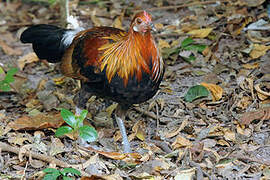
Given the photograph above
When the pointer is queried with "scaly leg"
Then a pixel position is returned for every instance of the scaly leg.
(120, 115)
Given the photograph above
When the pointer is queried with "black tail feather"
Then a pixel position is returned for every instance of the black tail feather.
(46, 41)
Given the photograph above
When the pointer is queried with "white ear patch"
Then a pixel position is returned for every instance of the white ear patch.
(135, 28)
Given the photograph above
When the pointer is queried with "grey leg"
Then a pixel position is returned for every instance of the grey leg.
(120, 115)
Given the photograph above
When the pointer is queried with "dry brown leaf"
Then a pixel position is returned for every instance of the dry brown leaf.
(107, 177)
(159, 26)
(27, 59)
(181, 142)
(17, 138)
(222, 142)
(187, 174)
(59, 80)
(252, 65)
(244, 102)
(229, 135)
(263, 95)
(216, 90)
(117, 23)
(40, 121)
(200, 33)
(138, 130)
(261, 114)
(127, 157)
(252, 3)
(163, 44)
(176, 132)
(8, 50)
(258, 50)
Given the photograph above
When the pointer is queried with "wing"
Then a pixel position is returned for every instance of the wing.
(81, 59)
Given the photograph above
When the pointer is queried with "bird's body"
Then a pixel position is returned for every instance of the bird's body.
(125, 67)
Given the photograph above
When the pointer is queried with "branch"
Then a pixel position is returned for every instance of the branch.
(46, 158)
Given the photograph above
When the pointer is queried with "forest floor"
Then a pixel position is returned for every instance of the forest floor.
(218, 129)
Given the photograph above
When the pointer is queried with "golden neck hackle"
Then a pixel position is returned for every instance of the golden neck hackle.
(128, 54)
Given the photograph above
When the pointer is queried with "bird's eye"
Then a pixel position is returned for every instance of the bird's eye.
(139, 20)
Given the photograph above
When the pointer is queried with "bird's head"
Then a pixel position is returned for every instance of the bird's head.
(142, 23)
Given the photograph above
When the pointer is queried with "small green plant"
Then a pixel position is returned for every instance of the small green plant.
(186, 45)
(9, 78)
(53, 174)
(189, 45)
(75, 123)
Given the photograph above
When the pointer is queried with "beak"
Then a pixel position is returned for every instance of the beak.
(151, 25)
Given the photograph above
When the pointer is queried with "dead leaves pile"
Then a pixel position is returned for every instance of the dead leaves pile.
(222, 135)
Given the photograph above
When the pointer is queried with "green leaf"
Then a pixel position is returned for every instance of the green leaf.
(81, 118)
(67, 178)
(196, 92)
(186, 42)
(190, 58)
(51, 170)
(63, 130)
(4, 86)
(88, 133)
(196, 47)
(9, 76)
(68, 117)
(51, 176)
(83, 114)
(70, 170)
(2, 70)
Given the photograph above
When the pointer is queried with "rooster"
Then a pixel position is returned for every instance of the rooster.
(125, 67)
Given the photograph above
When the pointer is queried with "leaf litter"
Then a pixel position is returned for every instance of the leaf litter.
(219, 132)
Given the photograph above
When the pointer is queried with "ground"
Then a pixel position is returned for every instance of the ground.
(178, 134)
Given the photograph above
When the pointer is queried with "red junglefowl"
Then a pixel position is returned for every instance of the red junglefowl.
(125, 67)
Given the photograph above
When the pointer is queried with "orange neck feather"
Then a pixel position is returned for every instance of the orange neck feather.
(129, 54)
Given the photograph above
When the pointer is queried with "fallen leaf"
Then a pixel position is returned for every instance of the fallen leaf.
(185, 174)
(159, 26)
(8, 50)
(106, 177)
(17, 138)
(195, 92)
(252, 3)
(181, 142)
(138, 130)
(229, 135)
(176, 132)
(56, 146)
(261, 114)
(27, 59)
(216, 90)
(118, 156)
(40, 121)
(258, 50)
(117, 23)
(163, 44)
(262, 94)
(200, 33)
(252, 65)
(59, 80)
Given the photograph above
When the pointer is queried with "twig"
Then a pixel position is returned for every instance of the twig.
(151, 115)
(169, 35)
(185, 5)
(46, 158)
(247, 158)
(49, 159)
